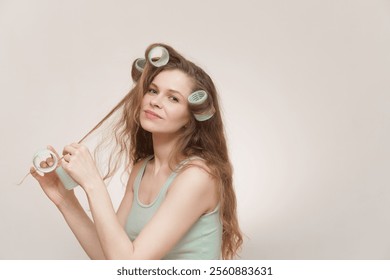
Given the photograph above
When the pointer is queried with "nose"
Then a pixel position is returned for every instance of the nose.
(156, 101)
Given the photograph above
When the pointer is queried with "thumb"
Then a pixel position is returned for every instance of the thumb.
(55, 152)
(35, 174)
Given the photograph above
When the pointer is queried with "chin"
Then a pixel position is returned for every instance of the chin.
(158, 128)
(150, 127)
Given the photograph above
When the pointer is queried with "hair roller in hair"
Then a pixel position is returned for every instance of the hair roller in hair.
(42, 155)
(140, 64)
(198, 99)
(158, 56)
(205, 116)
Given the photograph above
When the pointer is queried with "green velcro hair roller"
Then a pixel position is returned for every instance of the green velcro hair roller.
(204, 117)
(197, 98)
(140, 64)
(158, 56)
(64, 177)
(68, 182)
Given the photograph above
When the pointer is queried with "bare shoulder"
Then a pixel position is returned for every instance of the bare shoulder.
(194, 180)
(197, 170)
(199, 163)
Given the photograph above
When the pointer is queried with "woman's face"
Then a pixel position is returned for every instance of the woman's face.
(164, 107)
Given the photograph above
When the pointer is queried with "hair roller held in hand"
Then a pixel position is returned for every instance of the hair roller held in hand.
(43, 155)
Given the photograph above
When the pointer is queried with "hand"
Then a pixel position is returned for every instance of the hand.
(80, 165)
(50, 183)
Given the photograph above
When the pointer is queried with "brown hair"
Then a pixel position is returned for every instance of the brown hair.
(204, 139)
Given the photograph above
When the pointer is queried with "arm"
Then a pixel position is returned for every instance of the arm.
(75, 216)
(191, 195)
(82, 227)
(65, 200)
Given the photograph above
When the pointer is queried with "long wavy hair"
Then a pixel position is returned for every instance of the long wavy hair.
(205, 139)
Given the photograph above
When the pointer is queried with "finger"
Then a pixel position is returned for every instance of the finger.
(69, 149)
(43, 164)
(80, 147)
(53, 150)
(34, 173)
(64, 164)
(67, 157)
(50, 161)
(76, 145)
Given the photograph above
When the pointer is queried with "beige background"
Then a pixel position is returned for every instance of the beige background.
(305, 92)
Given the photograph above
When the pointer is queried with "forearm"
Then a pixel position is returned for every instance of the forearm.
(82, 227)
(114, 241)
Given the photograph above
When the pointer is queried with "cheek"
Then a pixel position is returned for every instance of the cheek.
(145, 100)
(182, 115)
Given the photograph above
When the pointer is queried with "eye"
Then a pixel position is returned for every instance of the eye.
(152, 91)
(174, 98)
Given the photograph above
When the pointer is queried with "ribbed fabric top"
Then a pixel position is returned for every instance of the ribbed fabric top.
(202, 241)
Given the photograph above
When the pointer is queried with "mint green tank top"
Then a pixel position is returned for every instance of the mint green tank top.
(202, 241)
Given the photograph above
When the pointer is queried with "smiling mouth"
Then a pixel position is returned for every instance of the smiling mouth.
(152, 114)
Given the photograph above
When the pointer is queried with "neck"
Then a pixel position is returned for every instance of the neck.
(163, 144)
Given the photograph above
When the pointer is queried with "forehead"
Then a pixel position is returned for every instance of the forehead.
(174, 80)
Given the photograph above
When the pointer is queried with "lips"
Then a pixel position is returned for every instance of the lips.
(151, 113)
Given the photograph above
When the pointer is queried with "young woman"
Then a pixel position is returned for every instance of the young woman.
(179, 201)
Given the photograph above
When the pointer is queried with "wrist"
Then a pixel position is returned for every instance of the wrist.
(68, 202)
(94, 185)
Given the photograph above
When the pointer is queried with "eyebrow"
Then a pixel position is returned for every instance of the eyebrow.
(169, 90)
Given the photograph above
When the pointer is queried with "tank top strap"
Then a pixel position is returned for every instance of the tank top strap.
(167, 183)
(175, 172)
(184, 162)
(140, 173)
